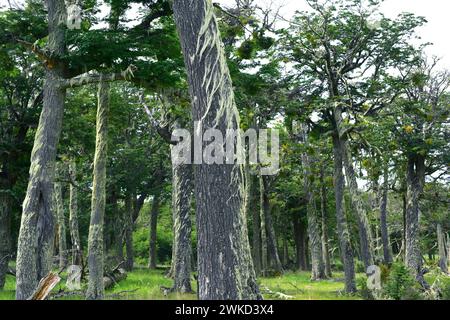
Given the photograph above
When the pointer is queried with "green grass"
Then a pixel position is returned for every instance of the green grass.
(143, 284)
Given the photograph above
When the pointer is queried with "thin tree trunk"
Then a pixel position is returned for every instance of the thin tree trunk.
(285, 258)
(5, 235)
(219, 188)
(300, 243)
(62, 245)
(153, 231)
(128, 214)
(342, 227)
(117, 226)
(415, 176)
(182, 227)
(256, 228)
(315, 245)
(96, 288)
(323, 209)
(77, 255)
(442, 249)
(262, 219)
(383, 219)
(37, 229)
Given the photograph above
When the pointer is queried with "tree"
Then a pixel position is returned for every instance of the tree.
(221, 222)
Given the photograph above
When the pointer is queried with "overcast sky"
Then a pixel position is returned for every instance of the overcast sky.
(437, 12)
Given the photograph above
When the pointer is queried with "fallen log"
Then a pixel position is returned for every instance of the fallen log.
(45, 286)
(110, 279)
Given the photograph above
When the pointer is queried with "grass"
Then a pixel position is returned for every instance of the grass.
(144, 284)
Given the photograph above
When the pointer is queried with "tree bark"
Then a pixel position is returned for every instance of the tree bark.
(262, 219)
(383, 219)
(442, 248)
(96, 287)
(182, 227)
(415, 177)
(62, 245)
(225, 268)
(37, 227)
(342, 227)
(300, 243)
(77, 255)
(256, 226)
(324, 222)
(5, 235)
(129, 224)
(153, 231)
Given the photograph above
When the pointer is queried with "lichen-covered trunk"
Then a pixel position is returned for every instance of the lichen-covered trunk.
(129, 224)
(387, 257)
(225, 267)
(117, 226)
(37, 228)
(5, 234)
(341, 219)
(272, 256)
(96, 288)
(154, 212)
(315, 243)
(415, 177)
(324, 222)
(62, 245)
(256, 230)
(182, 184)
(77, 255)
(300, 243)
(442, 248)
(262, 219)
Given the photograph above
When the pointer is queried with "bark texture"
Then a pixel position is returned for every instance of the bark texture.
(37, 229)
(323, 210)
(96, 288)
(77, 257)
(300, 243)
(128, 215)
(442, 249)
(62, 245)
(342, 227)
(182, 227)
(5, 236)
(153, 231)
(225, 267)
(256, 228)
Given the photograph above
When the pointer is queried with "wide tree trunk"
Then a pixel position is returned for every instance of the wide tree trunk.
(415, 178)
(62, 245)
(182, 184)
(5, 234)
(225, 268)
(129, 225)
(387, 257)
(315, 244)
(324, 222)
(77, 255)
(300, 243)
(442, 248)
(96, 287)
(342, 227)
(154, 212)
(37, 229)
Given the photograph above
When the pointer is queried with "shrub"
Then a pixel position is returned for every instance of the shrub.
(359, 267)
(401, 285)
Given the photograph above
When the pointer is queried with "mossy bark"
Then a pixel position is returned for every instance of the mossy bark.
(324, 222)
(225, 267)
(96, 289)
(182, 185)
(37, 229)
(62, 245)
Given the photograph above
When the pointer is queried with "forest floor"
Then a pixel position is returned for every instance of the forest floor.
(144, 284)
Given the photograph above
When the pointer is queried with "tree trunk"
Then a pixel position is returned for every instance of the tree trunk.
(315, 245)
(415, 177)
(262, 219)
(323, 210)
(37, 229)
(96, 287)
(256, 227)
(442, 249)
(342, 227)
(383, 219)
(5, 235)
(300, 243)
(221, 222)
(62, 245)
(285, 258)
(182, 227)
(77, 255)
(117, 226)
(153, 231)
(128, 214)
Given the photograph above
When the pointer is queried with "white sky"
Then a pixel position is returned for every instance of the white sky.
(437, 13)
